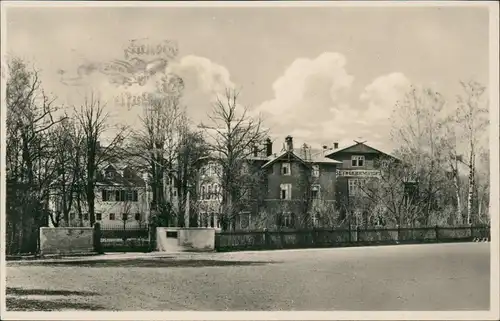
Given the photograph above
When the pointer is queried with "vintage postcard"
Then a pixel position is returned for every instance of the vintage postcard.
(249, 160)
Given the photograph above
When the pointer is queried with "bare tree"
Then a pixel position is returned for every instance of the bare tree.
(192, 147)
(232, 136)
(483, 189)
(419, 131)
(67, 142)
(29, 157)
(158, 141)
(93, 122)
(472, 117)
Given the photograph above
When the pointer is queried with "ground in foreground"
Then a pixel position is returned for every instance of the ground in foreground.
(408, 277)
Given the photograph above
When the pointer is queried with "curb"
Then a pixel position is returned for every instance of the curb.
(17, 258)
(105, 257)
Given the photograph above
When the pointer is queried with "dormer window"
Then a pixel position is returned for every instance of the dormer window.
(285, 169)
(109, 174)
(357, 161)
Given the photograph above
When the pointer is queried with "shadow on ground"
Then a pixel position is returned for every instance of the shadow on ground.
(20, 291)
(21, 304)
(14, 303)
(149, 263)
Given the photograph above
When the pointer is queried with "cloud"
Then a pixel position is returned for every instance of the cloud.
(304, 96)
(313, 103)
(333, 117)
(202, 74)
(382, 93)
(308, 89)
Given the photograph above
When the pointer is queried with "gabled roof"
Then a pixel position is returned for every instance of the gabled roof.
(133, 177)
(282, 155)
(316, 157)
(213, 156)
(358, 148)
(319, 157)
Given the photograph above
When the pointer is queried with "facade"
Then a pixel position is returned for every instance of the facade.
(358, 164)
(297, 187)
(122, 198)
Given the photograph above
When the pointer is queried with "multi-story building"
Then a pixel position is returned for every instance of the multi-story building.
(123, 197)
(297, 187)
(299, 182)
(358, 163)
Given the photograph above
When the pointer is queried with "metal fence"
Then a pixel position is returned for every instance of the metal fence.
(119, 238)
(316, 238)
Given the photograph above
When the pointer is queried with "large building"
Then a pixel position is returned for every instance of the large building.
(293, 188)
(123, 197)
(297, 187)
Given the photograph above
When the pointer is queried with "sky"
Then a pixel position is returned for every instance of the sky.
(321, 75)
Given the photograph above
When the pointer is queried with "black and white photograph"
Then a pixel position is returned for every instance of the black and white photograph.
(249, 160)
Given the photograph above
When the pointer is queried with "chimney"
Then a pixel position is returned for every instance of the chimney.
(335, 145)
(255, 151)
(269, 147)
(325, 148)
(289, 143)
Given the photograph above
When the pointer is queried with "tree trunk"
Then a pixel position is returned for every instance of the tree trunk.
(470, 195)
(91, 201)
(457, 192)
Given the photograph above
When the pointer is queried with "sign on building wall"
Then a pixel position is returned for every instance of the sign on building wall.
(358, 173)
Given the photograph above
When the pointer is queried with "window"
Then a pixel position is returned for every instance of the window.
(245, 220)
(355, 186)
(357, 161)
(286, 191)
(209, 196)
(315, 171)
(86, 216)
(130, 195)
(112, 216)
(124, 216)
(209, 170)
(216, 191)
(202, 192)
(98, 216)
(174, 192)
(245, 169)
(287, 219)
(109, 174)
(285, 169)
(108, 196)
(316, 219)
(315, 192)
(120, 196)
(137, 216)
